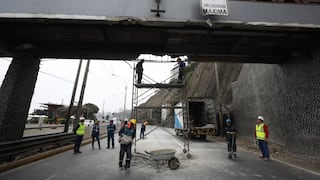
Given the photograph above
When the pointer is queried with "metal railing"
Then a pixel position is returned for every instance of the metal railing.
(12, 150)
(44, 127)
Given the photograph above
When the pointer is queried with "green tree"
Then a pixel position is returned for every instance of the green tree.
(89, 110)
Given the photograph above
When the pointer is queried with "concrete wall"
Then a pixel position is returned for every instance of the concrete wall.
(257, 92)
(288, 96)
(302, 81)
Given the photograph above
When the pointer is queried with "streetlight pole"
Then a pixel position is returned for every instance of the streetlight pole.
(125, 101)
(125, 94)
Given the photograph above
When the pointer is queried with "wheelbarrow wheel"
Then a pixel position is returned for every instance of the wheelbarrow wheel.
(184, 150)
(173, 163)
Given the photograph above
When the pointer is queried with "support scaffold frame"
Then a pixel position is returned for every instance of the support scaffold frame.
(137, 97)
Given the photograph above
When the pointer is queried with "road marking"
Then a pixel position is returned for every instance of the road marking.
(179, 144)
(51, 177)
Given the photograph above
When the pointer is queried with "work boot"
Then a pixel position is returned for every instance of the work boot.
(127, 166)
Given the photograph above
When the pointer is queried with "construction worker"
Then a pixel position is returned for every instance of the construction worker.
(181, 65)
(127, 134)
(95, 133)
(143, 129)
(230, 135)
(111, 128)
(139, 70)
(261, 137)
(79, 130)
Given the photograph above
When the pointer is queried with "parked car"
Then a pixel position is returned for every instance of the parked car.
(88, 122)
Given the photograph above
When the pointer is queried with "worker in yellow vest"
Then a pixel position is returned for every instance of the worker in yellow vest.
(261, 136)
(79, 130)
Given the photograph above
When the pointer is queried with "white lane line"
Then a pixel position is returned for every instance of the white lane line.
(51, 177)
(179, 143)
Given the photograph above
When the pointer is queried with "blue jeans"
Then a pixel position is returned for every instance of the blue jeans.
(110, 137)
(263, 146)
(95, 136)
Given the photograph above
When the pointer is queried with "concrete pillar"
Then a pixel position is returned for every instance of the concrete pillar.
(15, 96)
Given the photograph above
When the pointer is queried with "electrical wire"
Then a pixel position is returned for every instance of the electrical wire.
(56, 77)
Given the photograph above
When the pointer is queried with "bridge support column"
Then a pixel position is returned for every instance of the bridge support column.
(15, 96)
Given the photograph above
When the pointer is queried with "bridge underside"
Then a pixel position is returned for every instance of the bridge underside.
(126, 40)
(108, 29)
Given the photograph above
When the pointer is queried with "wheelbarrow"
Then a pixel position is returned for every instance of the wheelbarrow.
(165, 155)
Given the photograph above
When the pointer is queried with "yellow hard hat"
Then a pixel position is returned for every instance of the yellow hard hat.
(133, 121)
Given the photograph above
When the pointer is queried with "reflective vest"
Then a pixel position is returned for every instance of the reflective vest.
(80, 130)
(261, 135)
(111, 128)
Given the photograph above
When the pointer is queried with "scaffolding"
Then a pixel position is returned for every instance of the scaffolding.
(148, 84)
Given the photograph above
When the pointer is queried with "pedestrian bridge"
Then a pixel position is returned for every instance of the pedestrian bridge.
(123, 29)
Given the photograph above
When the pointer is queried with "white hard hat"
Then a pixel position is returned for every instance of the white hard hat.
(261, 118)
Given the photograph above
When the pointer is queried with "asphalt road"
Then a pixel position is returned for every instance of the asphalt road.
(209, 161)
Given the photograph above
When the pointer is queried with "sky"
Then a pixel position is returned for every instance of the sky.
(105, 85)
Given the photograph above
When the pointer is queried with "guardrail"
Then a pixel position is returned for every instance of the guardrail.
(14, 149)
(44, 127)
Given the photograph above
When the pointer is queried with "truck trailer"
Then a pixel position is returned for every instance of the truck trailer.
(197, 119)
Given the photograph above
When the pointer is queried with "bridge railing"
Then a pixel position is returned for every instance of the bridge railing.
(17, 149)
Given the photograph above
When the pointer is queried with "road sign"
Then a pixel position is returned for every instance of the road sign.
(214, 7)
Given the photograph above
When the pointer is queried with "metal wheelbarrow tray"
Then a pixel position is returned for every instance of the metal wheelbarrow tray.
(167, 155)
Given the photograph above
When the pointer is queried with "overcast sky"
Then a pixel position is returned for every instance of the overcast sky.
(56, 77)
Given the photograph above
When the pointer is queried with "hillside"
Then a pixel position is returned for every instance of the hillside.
(201, 82)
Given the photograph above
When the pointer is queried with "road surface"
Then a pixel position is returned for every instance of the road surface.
(209, 161)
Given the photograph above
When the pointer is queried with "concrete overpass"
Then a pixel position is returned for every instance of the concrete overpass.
(106, 29)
